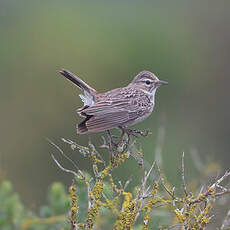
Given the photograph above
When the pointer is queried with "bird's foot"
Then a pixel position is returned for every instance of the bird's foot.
(136, 133)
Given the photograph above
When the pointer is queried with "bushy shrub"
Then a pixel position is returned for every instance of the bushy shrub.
(98, 202)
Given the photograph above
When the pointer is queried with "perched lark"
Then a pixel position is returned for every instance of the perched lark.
(117, 108)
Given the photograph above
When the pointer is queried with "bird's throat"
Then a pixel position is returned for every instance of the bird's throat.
(151, 94)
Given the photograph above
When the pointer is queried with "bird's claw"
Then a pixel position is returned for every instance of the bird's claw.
(137, 133)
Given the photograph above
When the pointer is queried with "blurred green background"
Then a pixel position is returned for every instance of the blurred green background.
(107, 43)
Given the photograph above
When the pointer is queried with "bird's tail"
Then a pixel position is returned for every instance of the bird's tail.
(77, 81)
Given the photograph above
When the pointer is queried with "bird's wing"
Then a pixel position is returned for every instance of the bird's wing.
(111, 113)
(106, 121)
(106, 115)
(110, 106)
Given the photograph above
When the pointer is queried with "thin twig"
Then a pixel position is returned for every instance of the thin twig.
(226, 223)
(222, 193)
(127, 183)
(163, 184)
(104, 145)
(211, 189)
(227, 173)
(182, 175)
(68, 170)
(63, 154)
(144, 181)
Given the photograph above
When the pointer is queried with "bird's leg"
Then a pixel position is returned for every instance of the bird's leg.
(122, 143)
(112, 144)
(122, 135)
(123, 132)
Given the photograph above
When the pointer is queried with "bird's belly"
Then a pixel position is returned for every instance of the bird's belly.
(141, 118)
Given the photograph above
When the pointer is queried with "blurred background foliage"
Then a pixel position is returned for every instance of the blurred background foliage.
(106, 43)
(13, 214)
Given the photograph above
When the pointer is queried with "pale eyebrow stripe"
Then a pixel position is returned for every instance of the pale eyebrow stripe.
(145, 79)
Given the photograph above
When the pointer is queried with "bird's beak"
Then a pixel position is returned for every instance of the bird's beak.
(162, 83)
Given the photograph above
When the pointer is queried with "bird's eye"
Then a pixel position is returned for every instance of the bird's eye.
(147, 82)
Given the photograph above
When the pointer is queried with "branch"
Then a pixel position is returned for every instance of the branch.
(182, 175)
(68, 170)
(226, 223)
(212, 190)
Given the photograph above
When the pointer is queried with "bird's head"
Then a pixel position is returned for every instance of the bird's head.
(147, 82)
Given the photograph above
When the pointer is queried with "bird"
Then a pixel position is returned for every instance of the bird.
(117, 108)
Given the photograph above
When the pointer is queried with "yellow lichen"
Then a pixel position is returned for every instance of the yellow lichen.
(127, 216)
(98, 189)
(74, 204)
(148, 207)
(93, 212)
(191, 211)
(128, 196)
(180, 217)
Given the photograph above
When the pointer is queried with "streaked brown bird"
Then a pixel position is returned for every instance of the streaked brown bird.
(117, 108)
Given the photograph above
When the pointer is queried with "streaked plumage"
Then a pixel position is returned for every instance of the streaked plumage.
(116, 108)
